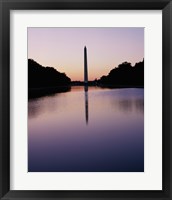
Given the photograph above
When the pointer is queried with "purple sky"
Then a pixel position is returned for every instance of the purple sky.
(63, 49)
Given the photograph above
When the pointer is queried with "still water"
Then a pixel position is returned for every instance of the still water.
(99, 130)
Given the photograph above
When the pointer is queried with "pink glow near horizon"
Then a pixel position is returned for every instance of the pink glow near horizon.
(63, 49)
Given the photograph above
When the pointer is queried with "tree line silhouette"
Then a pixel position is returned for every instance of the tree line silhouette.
(39, 76)
(125, 75)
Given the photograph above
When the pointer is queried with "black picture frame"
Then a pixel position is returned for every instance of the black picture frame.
(5, 7)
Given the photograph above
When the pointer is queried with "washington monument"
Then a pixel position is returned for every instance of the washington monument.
(85, 67)
(86, 84)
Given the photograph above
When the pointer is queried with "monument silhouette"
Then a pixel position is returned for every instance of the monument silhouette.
(85, 67)
(86, 84)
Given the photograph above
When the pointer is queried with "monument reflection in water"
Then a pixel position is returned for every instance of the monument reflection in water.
(86, 104)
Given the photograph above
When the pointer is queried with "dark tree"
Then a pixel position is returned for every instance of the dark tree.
(39, 76)
(125, 75)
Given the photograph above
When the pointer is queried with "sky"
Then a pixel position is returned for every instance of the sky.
(63, 49)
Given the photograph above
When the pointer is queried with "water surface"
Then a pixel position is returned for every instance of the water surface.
(99, 130)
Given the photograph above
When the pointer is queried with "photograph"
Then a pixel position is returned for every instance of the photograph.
(85, 99)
